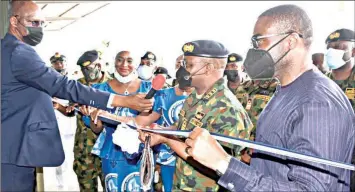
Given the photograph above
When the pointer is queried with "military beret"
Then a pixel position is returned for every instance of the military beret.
(87, 58)
(149, 55)
(233, 57)
(341, 35)
(162, 70)
(57, 57)
(205, 48)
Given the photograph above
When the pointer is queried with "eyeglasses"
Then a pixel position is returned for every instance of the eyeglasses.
(256, 38)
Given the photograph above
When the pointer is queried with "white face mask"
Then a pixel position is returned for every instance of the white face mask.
(126, 79)
(145, 72)
(334, 58)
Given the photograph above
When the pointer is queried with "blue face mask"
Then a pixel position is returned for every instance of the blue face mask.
(335, 58)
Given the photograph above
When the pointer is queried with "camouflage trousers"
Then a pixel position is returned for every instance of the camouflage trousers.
(88, 168)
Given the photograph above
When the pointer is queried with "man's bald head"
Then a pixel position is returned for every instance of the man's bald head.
(287, 18)
(23, 8)
(25, 18)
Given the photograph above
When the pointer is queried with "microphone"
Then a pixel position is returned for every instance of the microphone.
(157, 84)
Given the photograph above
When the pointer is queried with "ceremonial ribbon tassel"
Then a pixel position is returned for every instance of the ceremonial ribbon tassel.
(147, 166)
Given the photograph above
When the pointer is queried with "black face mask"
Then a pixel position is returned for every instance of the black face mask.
(91, 74)
(183, 78)
(34, 37)
(232, 75)
(259, 64)
(35, 34)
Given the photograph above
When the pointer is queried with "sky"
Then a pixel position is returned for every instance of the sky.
(164, 26)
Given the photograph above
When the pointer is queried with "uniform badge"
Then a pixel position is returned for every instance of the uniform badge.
(184, 123)
(188, 47)
(248, 105)
(150, 56)
(199, 115)
(232, 58)
(334, 35)
(57, 55)
(86, 63)
(209, 95)
(350, 93)
(196, 122)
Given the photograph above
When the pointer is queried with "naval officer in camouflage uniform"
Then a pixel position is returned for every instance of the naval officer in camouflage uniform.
(87, 166)
(212, 105)
(340, 59)
(234, 71)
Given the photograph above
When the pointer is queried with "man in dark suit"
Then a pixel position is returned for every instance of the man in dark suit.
(30, 136)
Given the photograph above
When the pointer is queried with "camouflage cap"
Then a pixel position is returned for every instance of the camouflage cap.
(341, 35)
(87, 58)
(205, 48)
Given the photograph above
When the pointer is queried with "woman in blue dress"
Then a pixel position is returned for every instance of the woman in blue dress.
(120, 168)
(166, 109)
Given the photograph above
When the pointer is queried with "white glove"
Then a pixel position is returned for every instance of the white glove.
(126, 138)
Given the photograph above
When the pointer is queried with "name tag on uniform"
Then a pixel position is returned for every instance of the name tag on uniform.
(350, 93)
(184, 123)
(196, 122)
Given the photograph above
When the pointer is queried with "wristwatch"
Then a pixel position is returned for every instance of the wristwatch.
(222, 166)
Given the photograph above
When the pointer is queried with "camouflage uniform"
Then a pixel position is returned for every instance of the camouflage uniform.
(254, 95)
(219, 112)
(86, 165)
(348, 86)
